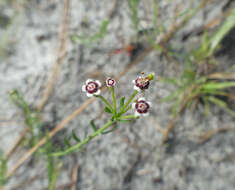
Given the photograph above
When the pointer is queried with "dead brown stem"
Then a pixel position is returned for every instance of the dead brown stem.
(209, 134)
(74, 177)
(60, 54)
(17, 143)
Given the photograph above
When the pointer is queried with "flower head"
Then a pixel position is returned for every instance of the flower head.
(92, 87)
(141, 107)
(110, 82)
(142, 82)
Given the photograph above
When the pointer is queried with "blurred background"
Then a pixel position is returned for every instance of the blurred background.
(49, 48)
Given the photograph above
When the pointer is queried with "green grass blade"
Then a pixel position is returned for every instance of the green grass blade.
(224, 29)
(133, 4)
(3, 170)
(85, 39)
(221, 104)
(217, 86)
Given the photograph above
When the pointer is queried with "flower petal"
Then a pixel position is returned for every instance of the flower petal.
(137, 88)
(149, 103)
(89, 95)
(133, 105)
(97, 93)
(133, 81)
(145, 114)
(99, 83)
(141, 98)
(84, 88)
(137, 113)
(88, 80)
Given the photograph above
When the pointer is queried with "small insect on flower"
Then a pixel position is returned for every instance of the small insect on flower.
(141, 107)
(92, 87)
(110, 82)
(142, 82)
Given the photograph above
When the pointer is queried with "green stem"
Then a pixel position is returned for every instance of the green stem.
(114, 101)
(85, 141)
(105, 101)
(127, 109)
(128, 102)
(128, 117)
(54, 177)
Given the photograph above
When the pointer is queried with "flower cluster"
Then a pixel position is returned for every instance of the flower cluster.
(141, 106)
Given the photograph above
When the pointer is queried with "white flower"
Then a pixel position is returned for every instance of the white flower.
(141, 107)
(91, 87)
(141, 83)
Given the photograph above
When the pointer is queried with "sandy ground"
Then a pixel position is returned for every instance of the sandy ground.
(131, 158)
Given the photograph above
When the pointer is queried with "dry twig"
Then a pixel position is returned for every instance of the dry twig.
(60, 53)
(17, 143)
(209, 134)
(74, 177)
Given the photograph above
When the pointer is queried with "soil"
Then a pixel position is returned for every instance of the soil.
(132, 157)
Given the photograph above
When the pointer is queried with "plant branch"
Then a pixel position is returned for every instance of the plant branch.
(85, 141)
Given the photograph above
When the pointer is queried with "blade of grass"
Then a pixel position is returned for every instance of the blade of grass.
(221, 104)
(224, 29)
(85, 39)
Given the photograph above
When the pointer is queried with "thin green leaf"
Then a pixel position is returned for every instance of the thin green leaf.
(93, 125)
(67, 142)
(3, 170)
(31, 117)
(109, 131)
(121, 103)
(85, 39)
(134, 7)
(105, 101)
(75, 137)
(207, 105)
(106, 109)
(173, 81)
(221, 104)
(173, 95)
(50, 164)
(228, 24)
(216, 85)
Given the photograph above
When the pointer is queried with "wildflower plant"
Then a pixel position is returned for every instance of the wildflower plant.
(118, 113)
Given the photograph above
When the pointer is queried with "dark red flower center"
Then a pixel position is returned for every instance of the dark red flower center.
(142, 83)
(92, 87)
(142, 106)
